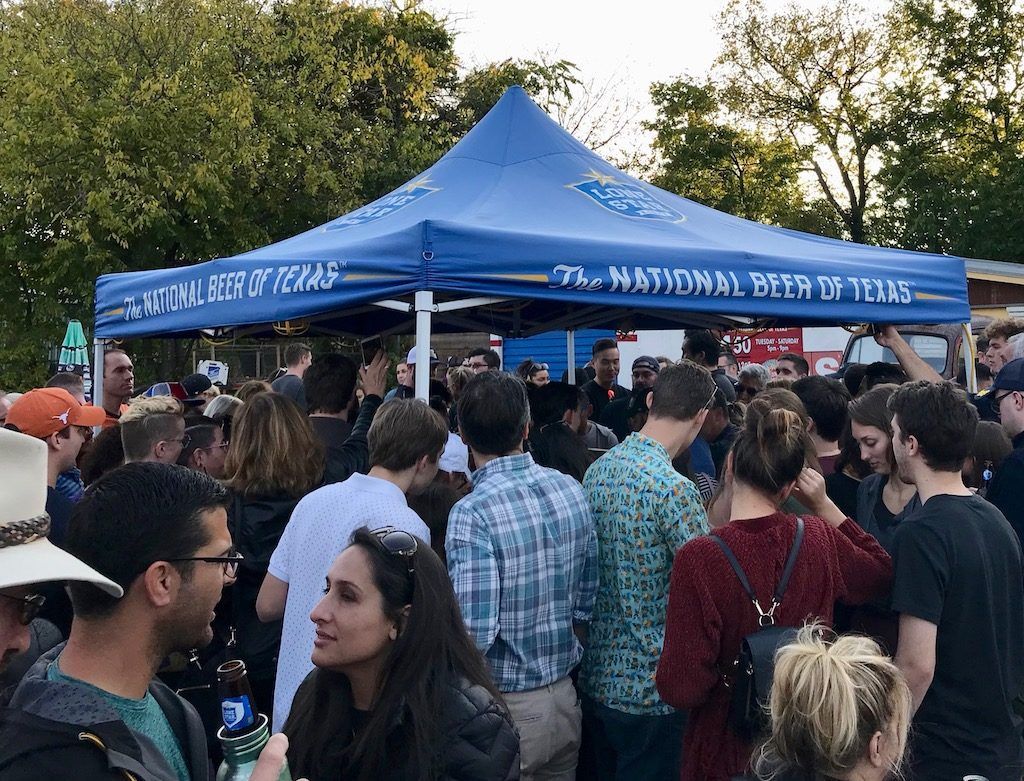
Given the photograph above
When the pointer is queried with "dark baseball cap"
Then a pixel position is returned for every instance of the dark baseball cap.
(1010, 377)
(647, 362)
(195, 384)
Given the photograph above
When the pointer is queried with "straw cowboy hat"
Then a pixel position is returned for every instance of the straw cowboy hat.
(26, 556)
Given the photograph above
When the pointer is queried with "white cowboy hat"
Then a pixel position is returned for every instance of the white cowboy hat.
(26, 556)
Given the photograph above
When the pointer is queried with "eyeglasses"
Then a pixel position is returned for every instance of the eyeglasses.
(222, 446)
(747, 390)
(29, 606)
(184, 439)
(230, 562)
(480, 365)
(711, 401)
(397, 543)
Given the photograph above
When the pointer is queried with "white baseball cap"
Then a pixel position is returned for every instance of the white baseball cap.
(26, 556)
(411, 357)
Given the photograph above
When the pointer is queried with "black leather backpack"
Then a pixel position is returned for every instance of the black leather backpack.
(751, 677)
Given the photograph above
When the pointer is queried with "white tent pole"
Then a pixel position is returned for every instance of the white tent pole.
(570, 351)
(424, 305)
(97, 373)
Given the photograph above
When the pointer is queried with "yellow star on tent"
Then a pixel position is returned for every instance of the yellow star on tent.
(414, 186)
(602, 179)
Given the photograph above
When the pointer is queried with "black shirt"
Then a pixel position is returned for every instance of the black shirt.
(1005, 490)
(958, 565)
(842, 489)
(599, 397)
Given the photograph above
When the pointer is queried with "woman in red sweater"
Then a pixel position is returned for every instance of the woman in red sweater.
(708, 611)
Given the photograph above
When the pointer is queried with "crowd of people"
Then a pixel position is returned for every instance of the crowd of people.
(526, 577)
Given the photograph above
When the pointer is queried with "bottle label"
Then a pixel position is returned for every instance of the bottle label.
(237, 713)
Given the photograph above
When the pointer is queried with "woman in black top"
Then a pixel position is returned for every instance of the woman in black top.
(400, 691)
(883, 499)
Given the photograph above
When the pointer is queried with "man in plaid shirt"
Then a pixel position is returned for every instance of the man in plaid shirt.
(522, 554)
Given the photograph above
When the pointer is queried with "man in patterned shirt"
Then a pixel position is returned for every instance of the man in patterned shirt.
(643, 511)
(522, 555)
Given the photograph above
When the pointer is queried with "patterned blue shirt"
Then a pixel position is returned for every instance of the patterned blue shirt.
(644, 511)
(69, 484)
(522, 555)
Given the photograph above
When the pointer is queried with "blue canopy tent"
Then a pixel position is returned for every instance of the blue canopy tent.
(521, 229)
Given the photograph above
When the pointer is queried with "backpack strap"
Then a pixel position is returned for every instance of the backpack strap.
(765, 618)
(790, 562)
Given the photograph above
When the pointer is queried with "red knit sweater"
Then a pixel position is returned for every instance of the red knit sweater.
(709, 614)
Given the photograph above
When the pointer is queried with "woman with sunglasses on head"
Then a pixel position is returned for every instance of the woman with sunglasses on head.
(533, 373)
(400, 691)
(709, 611)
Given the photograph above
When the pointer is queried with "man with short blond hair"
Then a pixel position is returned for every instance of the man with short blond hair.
(153, 429)
(406, 439)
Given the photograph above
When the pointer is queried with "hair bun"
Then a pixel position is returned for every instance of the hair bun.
(778, 425)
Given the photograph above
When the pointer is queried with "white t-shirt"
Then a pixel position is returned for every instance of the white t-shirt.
(320, 529)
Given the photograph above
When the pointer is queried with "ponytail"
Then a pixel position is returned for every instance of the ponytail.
(828, 700)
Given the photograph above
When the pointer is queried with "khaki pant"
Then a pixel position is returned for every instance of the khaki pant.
(549, 723)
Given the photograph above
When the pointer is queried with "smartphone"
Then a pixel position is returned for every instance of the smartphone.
(370, 347)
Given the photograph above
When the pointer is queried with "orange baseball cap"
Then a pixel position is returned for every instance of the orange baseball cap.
(45, 411)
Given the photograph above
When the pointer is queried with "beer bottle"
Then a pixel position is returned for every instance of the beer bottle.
(245, 730)
(237, 705)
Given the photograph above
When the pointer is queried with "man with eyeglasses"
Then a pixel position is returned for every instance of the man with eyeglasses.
(206, 450)
(92, 706)
(153, 430)
(644, 511)
(483, 359)
(1006, 397)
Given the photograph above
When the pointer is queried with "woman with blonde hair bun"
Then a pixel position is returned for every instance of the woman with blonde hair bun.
(709, 612)
(840, 710)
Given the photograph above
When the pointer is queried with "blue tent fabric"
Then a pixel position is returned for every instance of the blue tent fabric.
(519, 209)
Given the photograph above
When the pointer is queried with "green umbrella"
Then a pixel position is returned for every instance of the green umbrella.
(74, 355)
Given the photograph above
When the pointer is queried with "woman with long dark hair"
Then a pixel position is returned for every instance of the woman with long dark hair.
(400, 691)
(274, 460)
(709, 612)
(883, 499)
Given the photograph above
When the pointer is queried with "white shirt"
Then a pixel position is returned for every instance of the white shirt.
(320, 528)
(455, 457)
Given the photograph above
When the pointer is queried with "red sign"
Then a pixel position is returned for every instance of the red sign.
(766, 345)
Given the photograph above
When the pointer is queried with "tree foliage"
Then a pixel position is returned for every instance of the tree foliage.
(152, 133)
(705, 154)
(816, 79)
(953, 173)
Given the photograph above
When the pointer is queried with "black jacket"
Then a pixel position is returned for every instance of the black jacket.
(352, 455)
(58, 730)
(479, 741)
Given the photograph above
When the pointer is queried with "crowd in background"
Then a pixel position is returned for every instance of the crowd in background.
(525, 577)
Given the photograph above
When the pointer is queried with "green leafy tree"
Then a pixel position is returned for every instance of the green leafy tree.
(815, 79)
(155, 133)
(953, 169)
(706, 156)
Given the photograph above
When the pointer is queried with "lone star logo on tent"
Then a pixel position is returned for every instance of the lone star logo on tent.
(389, 204)
(625, 198)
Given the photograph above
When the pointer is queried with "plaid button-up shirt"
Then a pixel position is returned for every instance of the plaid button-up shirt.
(522, 554)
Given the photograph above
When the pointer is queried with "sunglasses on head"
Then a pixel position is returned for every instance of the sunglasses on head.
(397, 543)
